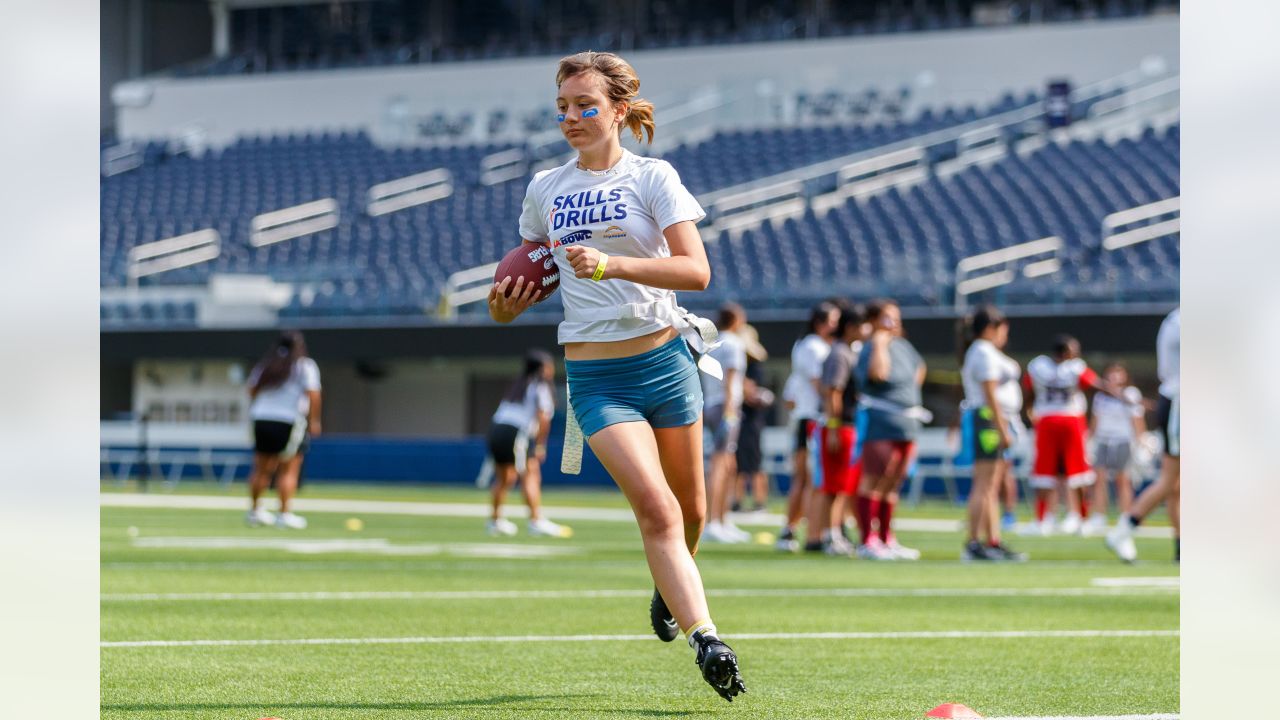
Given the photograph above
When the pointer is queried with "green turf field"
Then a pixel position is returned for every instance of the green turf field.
(425, 585)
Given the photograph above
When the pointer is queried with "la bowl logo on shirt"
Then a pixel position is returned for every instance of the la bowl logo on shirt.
(574, 237)
(614, 232)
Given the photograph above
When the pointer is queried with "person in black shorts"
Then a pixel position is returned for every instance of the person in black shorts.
(525, 413)
(757, 400)
(285, 409)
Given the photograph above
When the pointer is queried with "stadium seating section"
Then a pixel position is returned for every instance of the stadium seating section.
(901, 242)
(398, 34)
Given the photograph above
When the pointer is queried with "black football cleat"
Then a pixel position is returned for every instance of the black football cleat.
(664, 625)
(719, 666)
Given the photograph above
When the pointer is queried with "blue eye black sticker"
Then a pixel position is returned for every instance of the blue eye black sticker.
(591, 112)
(560, 117)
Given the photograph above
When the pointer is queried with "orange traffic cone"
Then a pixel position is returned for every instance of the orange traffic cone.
(954, 711)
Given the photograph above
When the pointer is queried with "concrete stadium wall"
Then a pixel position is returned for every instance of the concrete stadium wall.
(963, 66)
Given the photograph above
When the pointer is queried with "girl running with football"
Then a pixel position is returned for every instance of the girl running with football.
(622, 230)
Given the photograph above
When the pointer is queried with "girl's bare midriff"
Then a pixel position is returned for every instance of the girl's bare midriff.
(619, 348)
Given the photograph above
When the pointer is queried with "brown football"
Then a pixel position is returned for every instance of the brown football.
(533, 262)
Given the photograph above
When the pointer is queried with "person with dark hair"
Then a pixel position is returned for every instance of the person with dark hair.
(890, 374)
(840, 475)
(1116, 426)
(1057, 384)
(756, 401)
(525, 412)
(622, 230)
(802, 396)
(284, 388)
(1168, 487)
(992, 402)
(722, 416)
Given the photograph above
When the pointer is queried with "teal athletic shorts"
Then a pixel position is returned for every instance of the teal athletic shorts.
(660, 387)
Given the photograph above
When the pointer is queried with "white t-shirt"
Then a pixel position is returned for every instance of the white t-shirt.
(732, 354)
(983, 361)
(1060, 386)
(524, 414)
(621, 213)
(1168, 343)
(287, 402)
(1113, 419)
(807, 357)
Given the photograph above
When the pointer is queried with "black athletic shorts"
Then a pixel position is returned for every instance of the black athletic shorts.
(508, 445)
(1168, 425)
(273, 437)
(804, 428)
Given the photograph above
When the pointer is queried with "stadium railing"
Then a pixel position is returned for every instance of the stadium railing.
(1030, 259)
(1135, 225)
(830, 177)
(172, 253)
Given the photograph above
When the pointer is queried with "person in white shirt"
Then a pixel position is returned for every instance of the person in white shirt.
(722, 416)
(802, 395)
(1169, 486)
(285, 409)
(1116, 425)
(525, 412)
(993, 401)
(622, 230)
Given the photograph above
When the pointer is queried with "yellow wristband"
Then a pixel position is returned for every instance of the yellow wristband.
(598, 275)
(833, 423)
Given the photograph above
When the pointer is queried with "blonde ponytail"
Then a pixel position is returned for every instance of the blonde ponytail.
(640, 119)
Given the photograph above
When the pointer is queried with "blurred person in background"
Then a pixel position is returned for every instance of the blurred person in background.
(1169, 485)
(284, 388)
(890, 374)
(629, 348)
(992, 403)
(722, 417)
(756, 401)
(838, 436)
(801, 393)
(1116, 425)
(1057, 385)
(524, 413)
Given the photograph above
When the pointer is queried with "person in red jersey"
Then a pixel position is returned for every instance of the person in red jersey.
(1057, 386)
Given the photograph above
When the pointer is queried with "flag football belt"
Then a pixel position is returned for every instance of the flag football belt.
(700, 334)
(912, 413)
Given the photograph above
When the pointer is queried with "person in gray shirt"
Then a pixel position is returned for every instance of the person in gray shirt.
(889, 375)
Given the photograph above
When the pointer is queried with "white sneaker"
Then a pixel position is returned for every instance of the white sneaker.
(837, 546)
(500, 527)
(258, 517)
(290, 521)
(1046, 526)
(1095, 525)
(1120, 540)
(874, 549)
(738, 534)
(716, 532)
(901, 552)
(545, 528)
(1070, 524)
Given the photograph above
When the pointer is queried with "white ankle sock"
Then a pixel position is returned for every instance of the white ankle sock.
(706, 628)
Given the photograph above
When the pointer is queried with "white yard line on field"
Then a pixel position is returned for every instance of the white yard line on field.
(908, 635)
(376, 546)
(1170, 581)
(589, 594)
(1155, 716)
(482, 510)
